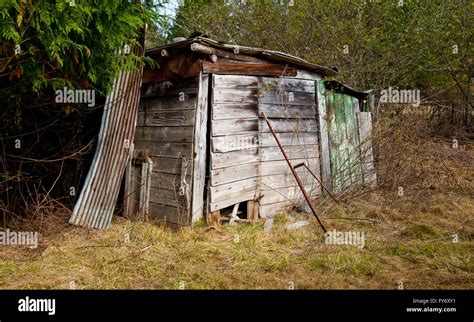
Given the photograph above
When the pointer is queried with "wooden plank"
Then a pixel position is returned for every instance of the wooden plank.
(365, 133)
(323, 136)
(164, 149)
(225, 68)
(287, 180)
(286, 139)
(164, 134)
(281, 167)
(337, 139)
(293, 152)
(229, 143)
(167, 181)
(231, 201)
(132, 191)
(167, 165)
(287, 85)
(172, 92)
(200, 48)
(235, 173)
(167, 197)
(235, 96)
(352, 128)
(235, 81)
(290, 194)
(306, 75)
(128, 199)
(228, 190)
(251, 170)
(166, 118)
(286, 98)
(252, 210)
(289, 125)
(169, 214)
(234, 111)
(153, 104)
(291, 111)
(144, 193)
(222, 160)
(228, 127)
(200, 147)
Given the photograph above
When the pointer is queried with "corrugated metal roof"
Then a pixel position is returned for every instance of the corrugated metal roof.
(270, 55)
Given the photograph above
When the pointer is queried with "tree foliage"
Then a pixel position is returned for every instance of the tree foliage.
(48, 45)
(51, 44)
(423, 44)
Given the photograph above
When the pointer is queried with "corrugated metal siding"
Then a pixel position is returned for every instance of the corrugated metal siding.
(98, 197)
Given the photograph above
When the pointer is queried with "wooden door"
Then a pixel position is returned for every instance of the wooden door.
(344, 142)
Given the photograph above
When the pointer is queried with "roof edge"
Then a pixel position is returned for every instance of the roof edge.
(270, 55)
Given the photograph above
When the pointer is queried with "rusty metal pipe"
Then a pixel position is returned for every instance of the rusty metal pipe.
(322, 185)
(293, 171)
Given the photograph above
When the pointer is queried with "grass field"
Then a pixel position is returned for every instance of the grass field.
(408, 240)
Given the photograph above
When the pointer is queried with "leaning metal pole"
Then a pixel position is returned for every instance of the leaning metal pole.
(293, 171)
(302, 164)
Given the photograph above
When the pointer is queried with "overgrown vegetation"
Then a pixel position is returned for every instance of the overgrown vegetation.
(422, 44)
(45, 46)
(399, 248)
(409, 240)
(413, 44)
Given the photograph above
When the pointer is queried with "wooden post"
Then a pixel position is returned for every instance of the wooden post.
(252, 210)
(323, 135)
(127, 207)
(369, 175)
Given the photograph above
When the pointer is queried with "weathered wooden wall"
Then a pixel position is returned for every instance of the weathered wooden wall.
(344, 142)
(290, 105)
(165, 132)
(234, 157)
(316, 126)
(246, 163)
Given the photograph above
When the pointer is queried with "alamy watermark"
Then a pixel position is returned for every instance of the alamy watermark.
(19, 238)
(400, 96)
(356, 238)
(234, 142)
(76, 96)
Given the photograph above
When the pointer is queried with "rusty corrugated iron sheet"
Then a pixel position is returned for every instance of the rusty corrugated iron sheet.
(96, 202)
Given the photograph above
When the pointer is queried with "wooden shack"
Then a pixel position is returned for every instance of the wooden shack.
(202, 147)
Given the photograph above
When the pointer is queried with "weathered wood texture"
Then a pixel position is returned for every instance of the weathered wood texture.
(133, 177)
(343, 133)
(367, 157)
(235, 162)
(246, 162)
(254, 69)
(166, 132)
(199, 150)
(323, 135)
(290, 105)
